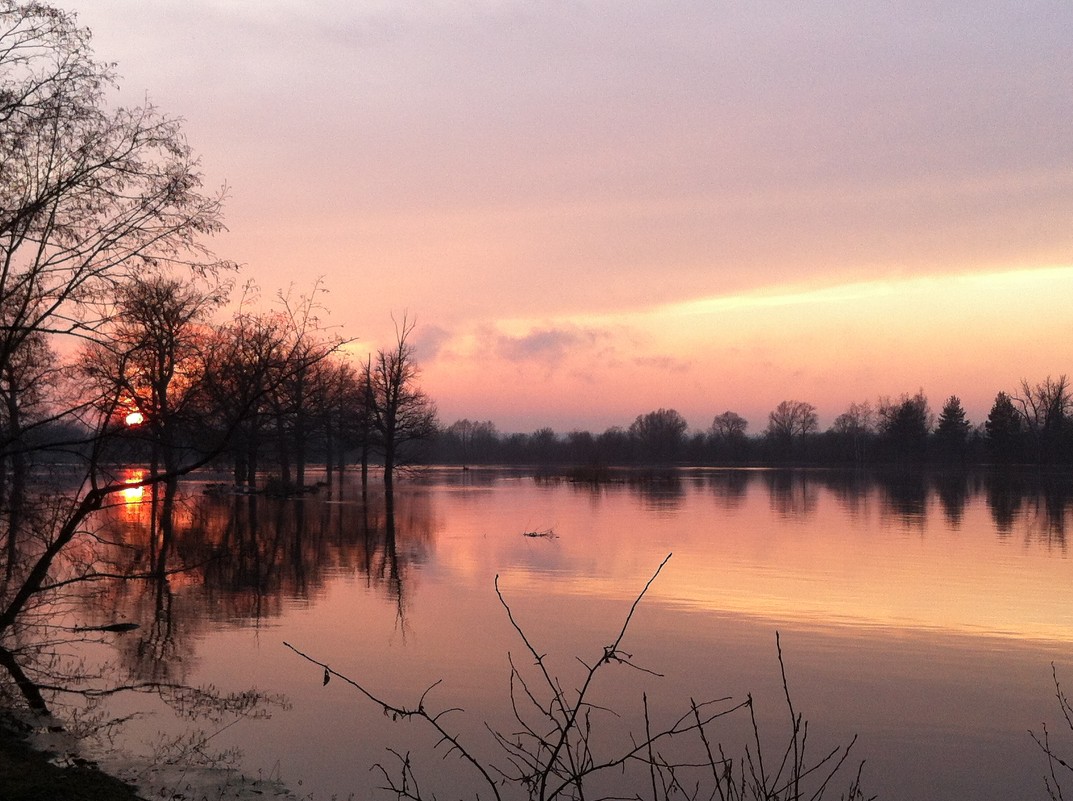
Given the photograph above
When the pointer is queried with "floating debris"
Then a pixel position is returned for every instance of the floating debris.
(113, 627)
(546, 533)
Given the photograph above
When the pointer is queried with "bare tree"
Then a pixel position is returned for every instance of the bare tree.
(858, 424)
(307, 345)
(728, 426)
(1059, 764)
(340, 405)
(28, 383)
(1046, 409)
(726, 437)
(859, 418)
(659, 435)
(90, 197)
(471, 440)
(247, 351)
(790, 421)
(463, 431)
(270, 366)
(400, 412)
(153, 356)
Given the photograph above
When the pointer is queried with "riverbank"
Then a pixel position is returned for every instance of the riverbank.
(34, 767)
(28, 773)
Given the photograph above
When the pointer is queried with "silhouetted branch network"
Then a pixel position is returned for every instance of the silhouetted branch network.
(558, 750)
(1057, 765)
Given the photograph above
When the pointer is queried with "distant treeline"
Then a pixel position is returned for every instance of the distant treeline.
(1031, 426)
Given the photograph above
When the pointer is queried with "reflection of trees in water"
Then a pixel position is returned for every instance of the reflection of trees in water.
(56, 653)
(464, 477)
(729, 487)
(1056, 501)
(904, 497)
(657, 490)
(1045, 511)
(953, 490)
(221, 559)
(853, 489)
(163, 564)
(1005, 494)
(792, 493)
(660, 490)
(1039, 503)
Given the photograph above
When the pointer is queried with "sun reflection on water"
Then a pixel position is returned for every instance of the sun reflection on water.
(134, 494)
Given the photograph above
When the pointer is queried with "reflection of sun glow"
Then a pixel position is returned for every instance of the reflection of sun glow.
(134, 494)
(134, 419)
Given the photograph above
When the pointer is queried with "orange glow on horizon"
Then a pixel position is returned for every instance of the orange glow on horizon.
(746, 352)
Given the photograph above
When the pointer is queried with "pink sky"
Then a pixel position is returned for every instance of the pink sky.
(597, 209)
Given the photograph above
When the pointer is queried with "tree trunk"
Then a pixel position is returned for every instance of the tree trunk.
(389, 464)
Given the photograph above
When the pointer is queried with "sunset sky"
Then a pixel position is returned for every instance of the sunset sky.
(595, 209)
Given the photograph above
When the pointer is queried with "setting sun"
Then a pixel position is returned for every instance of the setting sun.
(134, 419)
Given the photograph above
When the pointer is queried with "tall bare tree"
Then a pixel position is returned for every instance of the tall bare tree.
(307, 345)
(340, 406)
(857, 424)
(400, 413)
(90, 197)
(792, 419)
(153, 357)
(728, 425)
(1046, 409)
(248, 355)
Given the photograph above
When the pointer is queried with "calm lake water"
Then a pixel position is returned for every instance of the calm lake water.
(921, 614)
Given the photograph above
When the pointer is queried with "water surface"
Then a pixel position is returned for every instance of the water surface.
(922, 614)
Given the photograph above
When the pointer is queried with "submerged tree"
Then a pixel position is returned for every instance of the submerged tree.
(154, 357)
(248, 353)
(299, 382)
(400, 413)
(340, 410)
(91, 197)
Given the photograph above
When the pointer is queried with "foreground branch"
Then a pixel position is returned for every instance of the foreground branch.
(555, 752)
